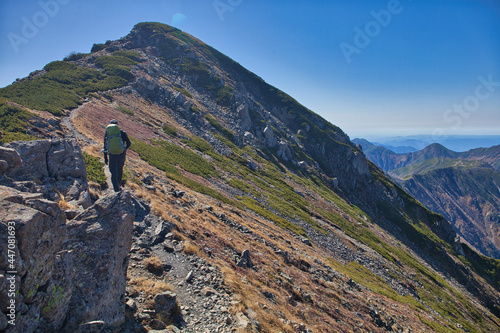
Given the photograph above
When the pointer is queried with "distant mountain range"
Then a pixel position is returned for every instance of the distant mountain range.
(460, 143)
(463, 187)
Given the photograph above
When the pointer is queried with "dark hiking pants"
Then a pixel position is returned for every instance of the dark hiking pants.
(116, 163)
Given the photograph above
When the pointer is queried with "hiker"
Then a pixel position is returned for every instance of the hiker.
(116, 143)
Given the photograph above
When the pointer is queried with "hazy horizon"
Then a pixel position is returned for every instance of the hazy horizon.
(458, 143)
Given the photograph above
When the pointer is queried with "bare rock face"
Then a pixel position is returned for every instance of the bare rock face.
(98, 242)
(48, 158)
(9, 159)
(55, 274)
(48, 165)
(30, 239)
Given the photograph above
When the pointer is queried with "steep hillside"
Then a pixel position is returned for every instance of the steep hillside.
(470, 197)
(433, 163)
(384, 158)
(463, 187)
(489, 155)
(230, 163)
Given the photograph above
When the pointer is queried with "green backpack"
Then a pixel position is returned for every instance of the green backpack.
(114, 142)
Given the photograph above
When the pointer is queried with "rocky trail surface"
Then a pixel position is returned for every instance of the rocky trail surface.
(67, 122)
(203, 301)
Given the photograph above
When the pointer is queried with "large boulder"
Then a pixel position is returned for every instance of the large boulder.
(57, 275)
(98, 242)
(9, 159)
(55, 158)
(53, 167)
(66, 274)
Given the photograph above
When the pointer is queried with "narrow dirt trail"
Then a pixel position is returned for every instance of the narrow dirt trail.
(68, 123)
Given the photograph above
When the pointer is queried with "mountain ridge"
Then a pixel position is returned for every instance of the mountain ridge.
(458, 143)
(331, 237)
(460, 186)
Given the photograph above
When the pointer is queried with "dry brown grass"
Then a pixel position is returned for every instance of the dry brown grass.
(154, 265)
(95, 190)
(178, 235)
(190, 248)
(142, 193)
(158, 204)
(148, 287)
(94, 150)
(158, 209)
(63, 203)
(136, 189)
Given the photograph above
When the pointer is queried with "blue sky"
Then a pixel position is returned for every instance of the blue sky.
(389, 67)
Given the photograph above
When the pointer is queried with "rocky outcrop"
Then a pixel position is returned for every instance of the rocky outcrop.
(97, 246)
(53, 167)
(9, 160)
(55, 274)
(57, 159)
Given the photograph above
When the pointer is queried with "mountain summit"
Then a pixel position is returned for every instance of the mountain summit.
(268, 216)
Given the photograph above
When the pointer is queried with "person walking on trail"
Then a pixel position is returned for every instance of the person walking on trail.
(116, 143)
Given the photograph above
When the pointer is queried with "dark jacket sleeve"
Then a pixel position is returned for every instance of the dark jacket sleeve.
(125, 139)
(104, 144)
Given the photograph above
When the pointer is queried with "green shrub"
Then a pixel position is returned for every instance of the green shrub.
(13, 123)
(243, 187)
(60, 66)
(97, 47)
(114, 60)
(154, 27)
(199, 144)
(279, 221)
(116, 66)
(169, 130)
(201, 71)
(164, 155)
(62, 87)
(224, 131)
(11, 136)
(184, 92)
(129, 54)
(95, 171)
(75, 56)
(120, 71)
(224, 95)
(194, 109)
(125, 110)
(195, 67)
(13, 119)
